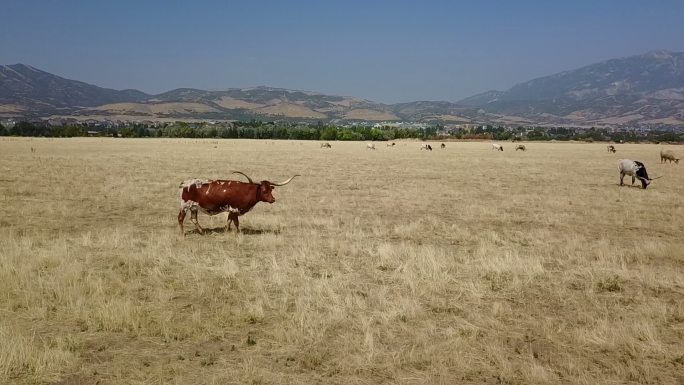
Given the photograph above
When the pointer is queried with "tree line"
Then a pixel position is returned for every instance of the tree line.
(254, 129)
(235, 130)
(592, 134)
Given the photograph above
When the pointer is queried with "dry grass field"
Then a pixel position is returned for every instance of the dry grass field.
(393, 266)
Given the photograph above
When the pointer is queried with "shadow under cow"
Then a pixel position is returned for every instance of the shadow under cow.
(243, 231)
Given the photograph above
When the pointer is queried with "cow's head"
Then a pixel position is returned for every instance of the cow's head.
(265, 192)
(642, 174)
(266, 189)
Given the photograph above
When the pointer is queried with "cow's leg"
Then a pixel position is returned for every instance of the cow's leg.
(622, 177)
(181, 218)
(237, 222)
(633, 179)
(193, 218)
(233, 217)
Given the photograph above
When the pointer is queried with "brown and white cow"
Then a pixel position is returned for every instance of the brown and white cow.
(217, 196)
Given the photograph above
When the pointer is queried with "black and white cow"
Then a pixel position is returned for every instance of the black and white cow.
(635, 169)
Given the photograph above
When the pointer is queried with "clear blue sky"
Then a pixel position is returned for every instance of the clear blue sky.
(386, 51)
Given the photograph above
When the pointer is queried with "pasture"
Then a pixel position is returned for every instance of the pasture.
(392, 266)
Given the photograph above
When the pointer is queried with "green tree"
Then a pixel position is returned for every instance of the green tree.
(329, 133)
(25, 129)
(127, 132)
(348, 134)
(377, 134)
(73, 130)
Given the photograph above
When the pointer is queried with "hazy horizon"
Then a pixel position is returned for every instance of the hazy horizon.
(385, 51)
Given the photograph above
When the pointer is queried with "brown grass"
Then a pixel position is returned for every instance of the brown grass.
(394, 266)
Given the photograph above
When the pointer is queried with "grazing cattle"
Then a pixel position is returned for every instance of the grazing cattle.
(497, 147)
(326, 145)
(520, 147)
(668, 155)
(370, 146)
(426, 147)
(635, 169)
(611, 148)
(390, 144)
(443, 146)
(217, 196)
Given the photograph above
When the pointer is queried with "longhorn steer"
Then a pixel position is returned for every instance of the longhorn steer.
(635, 169)
(426, 147)
(217, 196)
(497, 147)
(611, 148)
(443, 146)
(520, 147)
(370, 146)
(326, 145)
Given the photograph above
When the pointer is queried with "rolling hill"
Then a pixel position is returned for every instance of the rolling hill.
(639, 89)
(642, 89)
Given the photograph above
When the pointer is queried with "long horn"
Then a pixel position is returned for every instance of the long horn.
(658, 177)
(284, 183)
(248, 178)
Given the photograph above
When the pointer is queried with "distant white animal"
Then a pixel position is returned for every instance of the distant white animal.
(426, 147)
(520, 147)
(370, 146)
(326, 145)
(497, 147)
(668, 155)
(390, 144)
(635, 169)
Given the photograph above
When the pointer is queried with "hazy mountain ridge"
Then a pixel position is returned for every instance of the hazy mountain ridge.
(23, 84)
(639, 89)
(481, 99)
(635, 89)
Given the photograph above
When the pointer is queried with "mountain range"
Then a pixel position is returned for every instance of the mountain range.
(645, 89)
